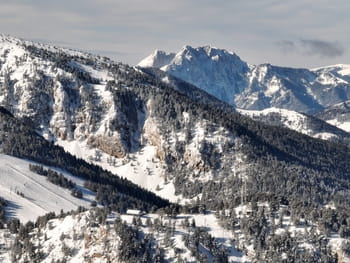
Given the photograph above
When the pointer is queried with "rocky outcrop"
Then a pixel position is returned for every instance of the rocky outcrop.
(109, 145)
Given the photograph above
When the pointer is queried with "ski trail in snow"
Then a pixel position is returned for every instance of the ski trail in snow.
(32, 195)
(25, 198)
(39, 184)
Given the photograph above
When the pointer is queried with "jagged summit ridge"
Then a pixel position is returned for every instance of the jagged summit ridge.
(219, 71)
(165, 60)
(213, 54)
(256, 87)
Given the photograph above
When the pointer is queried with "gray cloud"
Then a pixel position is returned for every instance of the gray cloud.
(286, 46)
(322, 48)
(312, 47)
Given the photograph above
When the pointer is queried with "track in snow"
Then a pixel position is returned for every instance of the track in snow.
(31, 195)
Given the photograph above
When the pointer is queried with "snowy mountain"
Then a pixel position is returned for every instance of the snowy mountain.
(216, 71)
(158, 59)
(118, 123)
(255, 87)
(300, 122)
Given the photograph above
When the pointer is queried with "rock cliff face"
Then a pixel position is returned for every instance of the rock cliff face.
(65, 96)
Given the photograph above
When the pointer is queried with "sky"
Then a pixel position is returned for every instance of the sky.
(298, 33)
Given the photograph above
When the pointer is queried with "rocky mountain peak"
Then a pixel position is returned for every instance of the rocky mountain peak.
(256, 87)
(157, 59)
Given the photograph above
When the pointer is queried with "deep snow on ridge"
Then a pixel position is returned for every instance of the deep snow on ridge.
(8, 41)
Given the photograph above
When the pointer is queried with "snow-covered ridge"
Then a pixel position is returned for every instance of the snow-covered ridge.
(14, 41)
(161, 58)
(24, 68)
(337, 115)
(299, 122)
(342, 69)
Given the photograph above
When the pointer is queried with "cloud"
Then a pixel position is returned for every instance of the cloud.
(286, 46)
(322, 48)
(312, 47)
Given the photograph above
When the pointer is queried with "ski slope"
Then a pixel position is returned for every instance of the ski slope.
(30, 195)
(344, 125)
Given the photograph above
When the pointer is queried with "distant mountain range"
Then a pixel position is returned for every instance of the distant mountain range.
(255, 87)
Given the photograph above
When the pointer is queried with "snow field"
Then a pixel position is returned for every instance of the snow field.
(31, 195)
(142, 168)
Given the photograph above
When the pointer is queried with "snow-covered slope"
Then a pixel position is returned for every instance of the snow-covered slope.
(142, 168)
(31, 195)
(299, 122)
(98, 237)
(34, 84)
(131, 124)
(337, 115)
(84, 237)
(339, 73)
(255, 87)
